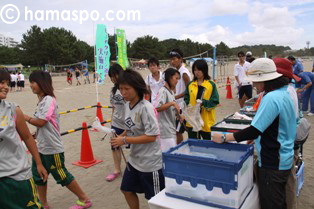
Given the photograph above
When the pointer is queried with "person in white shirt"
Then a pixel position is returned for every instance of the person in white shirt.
(20, 81)
(244, 87)
(176, 60)
(13, 81)
(154, 81)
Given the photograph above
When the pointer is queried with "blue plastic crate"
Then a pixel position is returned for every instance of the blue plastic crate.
(300, 179)
(215, 169)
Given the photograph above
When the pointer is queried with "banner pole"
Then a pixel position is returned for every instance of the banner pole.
(95, 64)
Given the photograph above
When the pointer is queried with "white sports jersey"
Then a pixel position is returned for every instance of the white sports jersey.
(180, 87)
(118, 103)
(48, 136)
(13, 158)
(140, 120)
(154, 86)
(166, 118)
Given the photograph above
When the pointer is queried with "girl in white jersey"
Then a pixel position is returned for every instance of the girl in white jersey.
(144, 170)
(168, 109)
(46, 119)
(117, 119)
(176, 60)
(17, 188)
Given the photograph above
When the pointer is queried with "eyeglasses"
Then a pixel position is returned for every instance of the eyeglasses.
(175, 54)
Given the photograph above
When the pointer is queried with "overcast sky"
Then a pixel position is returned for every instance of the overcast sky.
(235, 22)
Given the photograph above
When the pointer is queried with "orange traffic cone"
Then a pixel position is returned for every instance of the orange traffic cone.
(99, 113)
(228, 88)
(87, 157)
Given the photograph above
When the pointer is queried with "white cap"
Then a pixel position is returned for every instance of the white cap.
(249, 53)
(262, 69)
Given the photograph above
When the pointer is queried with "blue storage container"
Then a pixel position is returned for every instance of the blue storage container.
(209, 173)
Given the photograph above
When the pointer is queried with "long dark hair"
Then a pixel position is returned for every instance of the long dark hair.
(275, 84)
(201, 65)
(44, 81)
(5, 76)
(134, 79)
(169, 73)
(115, 71)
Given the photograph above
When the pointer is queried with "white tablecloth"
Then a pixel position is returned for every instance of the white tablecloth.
(161, 200)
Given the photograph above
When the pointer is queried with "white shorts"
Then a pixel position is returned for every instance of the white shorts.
(167, 143)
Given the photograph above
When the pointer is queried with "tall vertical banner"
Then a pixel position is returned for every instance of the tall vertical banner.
(122, 56)
(102, 53)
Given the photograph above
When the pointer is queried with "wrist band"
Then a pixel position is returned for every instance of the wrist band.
(124, 140)
(223, 138)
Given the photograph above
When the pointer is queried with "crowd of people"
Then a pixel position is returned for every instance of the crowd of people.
(147, 118)
(82, 74)
(17, 81)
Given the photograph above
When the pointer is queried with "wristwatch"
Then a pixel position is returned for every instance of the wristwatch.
(223, 138)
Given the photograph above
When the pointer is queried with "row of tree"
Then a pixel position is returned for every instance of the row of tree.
(58, 46)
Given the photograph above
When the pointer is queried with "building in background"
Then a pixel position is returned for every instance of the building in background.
(7, 41)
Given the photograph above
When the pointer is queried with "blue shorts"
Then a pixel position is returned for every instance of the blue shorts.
(118, 132)
(136, 181)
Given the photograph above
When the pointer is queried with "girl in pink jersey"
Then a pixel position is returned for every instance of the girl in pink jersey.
(46, 119)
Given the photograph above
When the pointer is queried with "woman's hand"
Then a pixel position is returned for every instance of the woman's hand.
(216, 137)
(42, 172)
(117, 141)
(300, 90)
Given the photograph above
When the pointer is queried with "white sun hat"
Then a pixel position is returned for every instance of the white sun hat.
(262, 69)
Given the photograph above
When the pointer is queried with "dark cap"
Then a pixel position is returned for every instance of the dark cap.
(284, 66)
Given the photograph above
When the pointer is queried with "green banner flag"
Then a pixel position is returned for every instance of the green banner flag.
(102, 53)
(122, 56)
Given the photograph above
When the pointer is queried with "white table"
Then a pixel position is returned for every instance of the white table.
(162, 201)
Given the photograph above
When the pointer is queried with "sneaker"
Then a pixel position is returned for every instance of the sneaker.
(310, 114)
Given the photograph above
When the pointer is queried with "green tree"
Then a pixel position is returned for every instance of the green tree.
(32, 46)
(83, 51)
(59, 46)
(10, 55)
(222, 49)
(146, 47)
